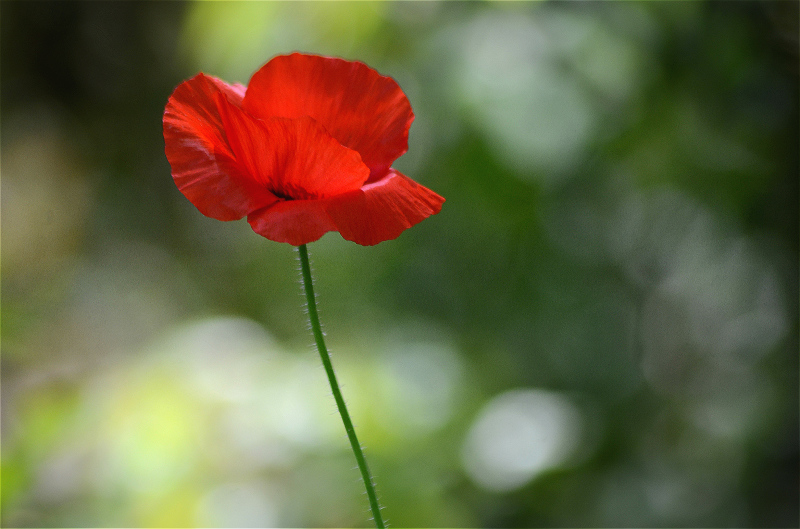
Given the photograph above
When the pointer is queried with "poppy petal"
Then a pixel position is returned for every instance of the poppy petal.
(196, 147)
(293, 221)
(293, 158)
(362, 109)
(382, 210)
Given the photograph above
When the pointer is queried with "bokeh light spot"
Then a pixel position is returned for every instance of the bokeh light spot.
(518, 435)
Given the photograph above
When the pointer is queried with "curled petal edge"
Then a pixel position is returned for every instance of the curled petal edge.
(382, 210)
(379, 211)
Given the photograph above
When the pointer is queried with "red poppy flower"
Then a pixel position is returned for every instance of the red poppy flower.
(304, 149)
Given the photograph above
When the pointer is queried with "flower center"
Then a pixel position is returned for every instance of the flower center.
(289, 191)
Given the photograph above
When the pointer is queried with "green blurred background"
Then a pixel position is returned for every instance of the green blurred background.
(599, 329)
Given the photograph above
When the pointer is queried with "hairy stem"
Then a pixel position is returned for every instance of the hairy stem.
(313, 317)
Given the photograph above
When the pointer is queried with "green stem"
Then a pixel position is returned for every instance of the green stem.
(313, 317)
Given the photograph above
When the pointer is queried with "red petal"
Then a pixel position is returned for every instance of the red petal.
(377, 212)
(197, 149)
(293, 158)
(294, 221)
(382, 210)
(360, 108)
